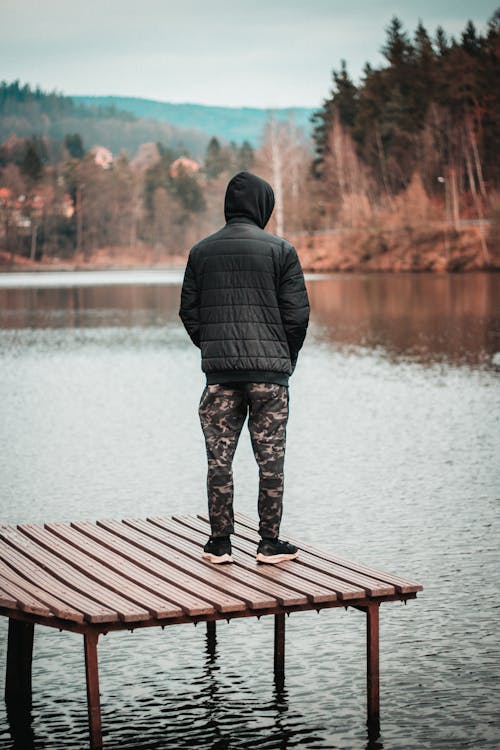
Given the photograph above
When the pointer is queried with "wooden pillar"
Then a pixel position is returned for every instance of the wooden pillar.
(372, 662)
(93, 699)
(279, 647)
(211, 637)
(19, 659)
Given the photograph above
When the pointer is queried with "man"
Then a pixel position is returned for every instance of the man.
(244, 303)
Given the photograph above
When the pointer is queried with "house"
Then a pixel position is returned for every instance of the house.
(188, 166)
(102, 156)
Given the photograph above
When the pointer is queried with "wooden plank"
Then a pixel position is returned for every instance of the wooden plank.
(199, 569)
(66, 573)
(24, 601)
(236, 577)
(7, 601)
(344, 590)
(56, 606)
(196, 600)
(26, 568)
(194, 528)
(402, 585)
(307, 576)
(119, 563)
(244, 567)
(157, 607)
(372, 586)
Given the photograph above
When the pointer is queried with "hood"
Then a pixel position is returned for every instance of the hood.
(249, 196)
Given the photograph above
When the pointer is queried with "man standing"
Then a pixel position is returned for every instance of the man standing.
(244, 303)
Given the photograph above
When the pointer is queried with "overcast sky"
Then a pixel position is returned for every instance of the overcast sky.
(263, 53)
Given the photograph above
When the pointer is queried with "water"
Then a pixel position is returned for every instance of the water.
(392, 458)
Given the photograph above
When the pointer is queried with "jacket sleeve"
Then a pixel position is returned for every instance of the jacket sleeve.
(293, 302)
(189, 310)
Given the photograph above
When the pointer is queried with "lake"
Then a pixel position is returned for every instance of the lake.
(393, 459)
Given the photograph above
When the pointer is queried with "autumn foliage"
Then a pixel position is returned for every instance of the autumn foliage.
(401, 173)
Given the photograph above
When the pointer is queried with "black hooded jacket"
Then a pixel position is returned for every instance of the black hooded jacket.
(244, 301)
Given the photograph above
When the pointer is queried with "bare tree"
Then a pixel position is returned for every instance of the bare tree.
(284, 160)
(346, 178)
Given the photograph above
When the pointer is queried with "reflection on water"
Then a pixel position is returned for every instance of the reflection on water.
(20, 726)
(452, 318)
(216, 711)
(428, 318)
(77, 307)
(391, 459)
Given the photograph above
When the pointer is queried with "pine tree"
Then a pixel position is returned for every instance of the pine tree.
(424, 78)
(186, 189)
(157, 176)
(470, 41)
(441, 41)
(74, 145)
(345, 98)
(245, 156)
(343, 101)
(32, 166)
(213, 158)
(397, 49)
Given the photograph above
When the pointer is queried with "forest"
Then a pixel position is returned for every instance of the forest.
(400, 172)
(27, 111)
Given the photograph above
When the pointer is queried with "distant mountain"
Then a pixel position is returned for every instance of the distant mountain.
(26, 111)
(126, 122)
(229, 123)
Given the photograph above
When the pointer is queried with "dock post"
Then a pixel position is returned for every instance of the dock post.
(279, 647)
(211, 636)
(90, 638)
(19, 659)
(372, 662)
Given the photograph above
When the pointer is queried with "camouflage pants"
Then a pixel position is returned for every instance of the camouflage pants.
(223, 410)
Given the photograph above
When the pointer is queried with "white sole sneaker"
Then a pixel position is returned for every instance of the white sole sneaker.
(272, 559)
(216, 559)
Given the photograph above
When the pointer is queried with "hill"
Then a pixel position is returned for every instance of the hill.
(228, 123)
(26, 111)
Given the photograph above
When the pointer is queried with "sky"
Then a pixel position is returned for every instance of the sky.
(256, 53)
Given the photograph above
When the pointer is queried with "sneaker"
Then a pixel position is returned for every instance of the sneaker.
(218, 550)
(275, 551)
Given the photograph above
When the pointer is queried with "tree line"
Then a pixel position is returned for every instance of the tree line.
(428, 119)
(88, 199)
(415, 141)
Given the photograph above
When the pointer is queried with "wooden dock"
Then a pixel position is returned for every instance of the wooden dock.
(96, 577)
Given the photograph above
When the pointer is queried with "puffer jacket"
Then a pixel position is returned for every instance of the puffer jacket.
(244, 300)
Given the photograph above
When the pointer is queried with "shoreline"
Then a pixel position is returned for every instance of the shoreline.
(399, 249)
(89, 268)
(393, 249)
